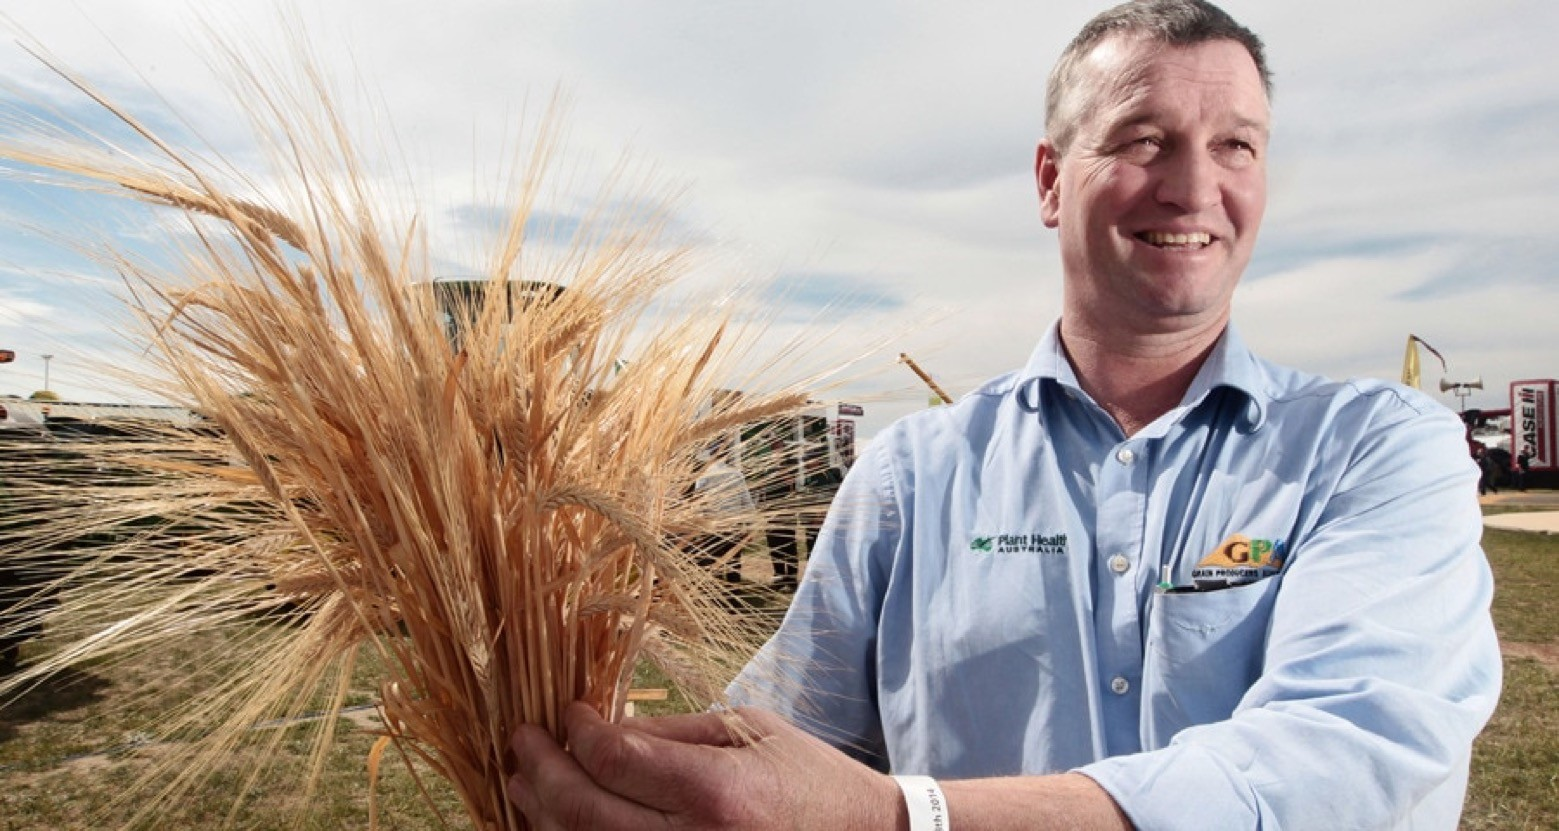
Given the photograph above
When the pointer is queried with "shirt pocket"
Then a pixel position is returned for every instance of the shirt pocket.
(1204, 651)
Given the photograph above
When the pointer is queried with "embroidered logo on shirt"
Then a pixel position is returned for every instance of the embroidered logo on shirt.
(1019, 544)
(1239, 560)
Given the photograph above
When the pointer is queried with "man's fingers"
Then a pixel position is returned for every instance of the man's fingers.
(639, 775)
(662, 773)
(713, 729)
(554, 792)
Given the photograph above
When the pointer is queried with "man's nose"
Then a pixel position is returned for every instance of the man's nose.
(1191, 180)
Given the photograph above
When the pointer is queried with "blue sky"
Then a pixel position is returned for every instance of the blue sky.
(881, 151)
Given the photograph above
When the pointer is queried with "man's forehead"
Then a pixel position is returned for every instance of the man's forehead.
(1125, 69)
(1117, 53)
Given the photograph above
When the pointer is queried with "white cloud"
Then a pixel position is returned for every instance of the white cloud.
(889, 144)
(20, 311)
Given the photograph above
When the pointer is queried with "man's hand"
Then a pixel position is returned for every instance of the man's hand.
(694, 772)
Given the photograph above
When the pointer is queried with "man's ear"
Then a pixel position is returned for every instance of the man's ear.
(1047, 175)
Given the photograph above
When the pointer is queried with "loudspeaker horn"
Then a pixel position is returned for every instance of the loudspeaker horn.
(1474, 384)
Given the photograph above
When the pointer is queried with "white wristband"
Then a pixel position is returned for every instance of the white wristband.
(927, 806)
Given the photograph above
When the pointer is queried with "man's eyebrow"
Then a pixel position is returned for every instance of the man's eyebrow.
(1133, 120)
(1132, 115)
(1259, 125)
(1135, 116)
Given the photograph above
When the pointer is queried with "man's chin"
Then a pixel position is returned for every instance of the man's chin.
(1179, 312)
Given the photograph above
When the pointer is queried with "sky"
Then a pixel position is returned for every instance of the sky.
(870, 164)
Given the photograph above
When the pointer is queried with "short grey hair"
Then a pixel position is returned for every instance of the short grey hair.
(1167, 22)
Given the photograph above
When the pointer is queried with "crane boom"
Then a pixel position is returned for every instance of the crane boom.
(915, 368)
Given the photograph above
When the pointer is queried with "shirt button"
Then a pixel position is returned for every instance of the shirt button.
(1125, 456)
(1119, 685)
(1119, 564)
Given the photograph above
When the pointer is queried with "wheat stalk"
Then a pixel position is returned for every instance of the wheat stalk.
(505, 521)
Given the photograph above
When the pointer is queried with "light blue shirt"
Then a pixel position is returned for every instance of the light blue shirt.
(985, 600)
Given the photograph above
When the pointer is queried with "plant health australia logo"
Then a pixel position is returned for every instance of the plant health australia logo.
(1019, 544)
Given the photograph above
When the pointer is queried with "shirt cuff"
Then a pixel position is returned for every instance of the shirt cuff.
(1178, 787)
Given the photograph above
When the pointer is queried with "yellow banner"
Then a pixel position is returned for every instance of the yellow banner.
(1410, 363)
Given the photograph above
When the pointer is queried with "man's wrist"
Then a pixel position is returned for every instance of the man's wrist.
(925, 807)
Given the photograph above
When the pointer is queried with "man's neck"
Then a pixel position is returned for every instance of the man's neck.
(1134, 377)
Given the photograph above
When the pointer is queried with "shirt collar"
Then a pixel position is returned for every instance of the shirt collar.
(1230, 365)
(1049, 360)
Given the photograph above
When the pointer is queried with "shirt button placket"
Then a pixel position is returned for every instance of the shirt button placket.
(1122, 497)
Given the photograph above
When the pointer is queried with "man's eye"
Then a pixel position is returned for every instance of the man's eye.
(1141, 149)
(1238, 151)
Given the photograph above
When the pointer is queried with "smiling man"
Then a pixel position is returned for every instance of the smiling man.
(1149, 579)
(1157, 195)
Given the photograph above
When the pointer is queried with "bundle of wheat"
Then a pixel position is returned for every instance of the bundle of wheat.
(492, 484)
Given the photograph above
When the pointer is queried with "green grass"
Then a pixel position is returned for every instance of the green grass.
(70, 794)
(1491, 510)
(1526, 568)
(1515, 763)
(1515, 775)
(69, 747)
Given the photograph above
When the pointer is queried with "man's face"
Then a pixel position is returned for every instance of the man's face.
(1158, 200)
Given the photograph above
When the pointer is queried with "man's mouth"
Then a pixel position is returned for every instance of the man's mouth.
(1164, 239)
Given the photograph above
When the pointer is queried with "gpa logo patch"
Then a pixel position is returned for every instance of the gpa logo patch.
(1239, 560)
(1019, 544)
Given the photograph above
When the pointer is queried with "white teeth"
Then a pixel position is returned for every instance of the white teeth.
(1162, 238)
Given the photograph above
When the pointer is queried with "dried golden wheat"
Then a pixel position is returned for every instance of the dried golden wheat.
(494, 492)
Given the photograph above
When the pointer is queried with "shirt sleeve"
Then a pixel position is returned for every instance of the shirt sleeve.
(819, 669)
(1381, 663)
